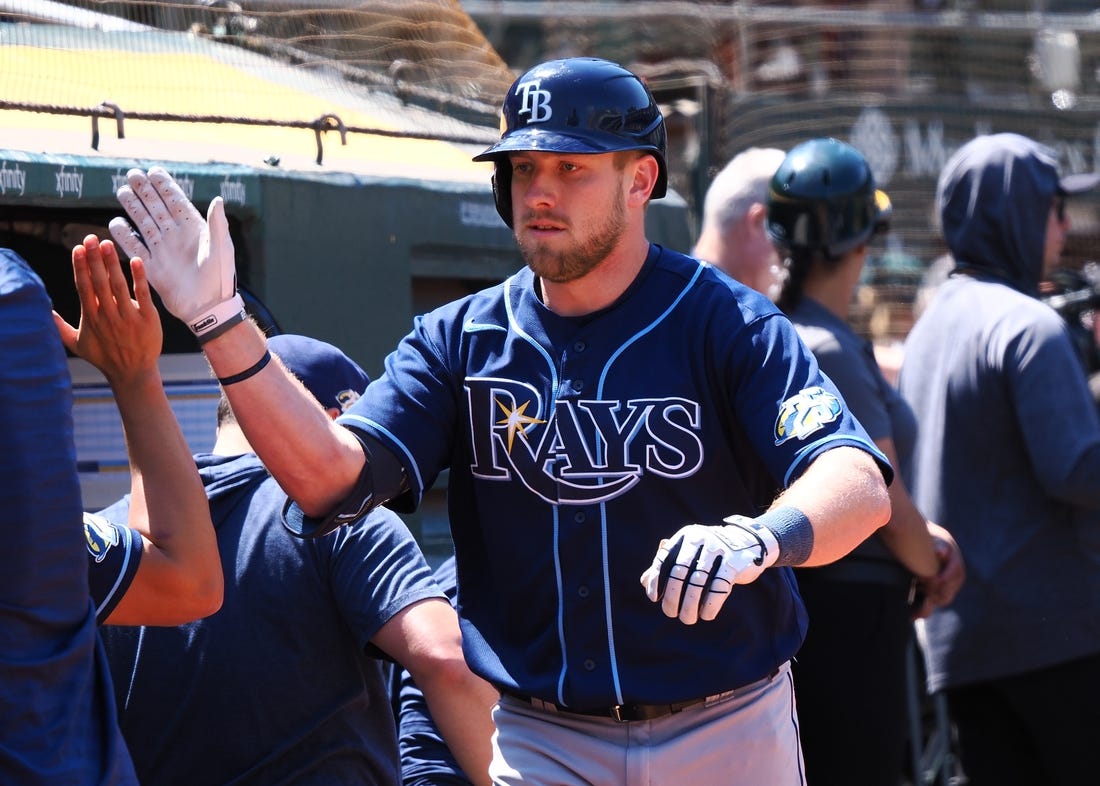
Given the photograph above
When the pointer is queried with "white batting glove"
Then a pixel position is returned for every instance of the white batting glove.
(189, 261)
(696, 568)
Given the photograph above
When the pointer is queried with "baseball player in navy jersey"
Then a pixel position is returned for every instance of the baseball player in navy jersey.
(639, 449)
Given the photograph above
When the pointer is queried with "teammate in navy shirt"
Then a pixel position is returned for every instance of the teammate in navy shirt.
(850, 675)
(618, 420)
(57, 713)
(285, 684)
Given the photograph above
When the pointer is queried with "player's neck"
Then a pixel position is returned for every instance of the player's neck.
(835, 287)
(230, 441)
(600, 287)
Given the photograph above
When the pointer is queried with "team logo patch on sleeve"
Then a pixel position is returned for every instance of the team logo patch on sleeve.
(100, 535)
(346, 398)
(803, 414)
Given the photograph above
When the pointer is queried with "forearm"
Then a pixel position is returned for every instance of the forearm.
(906, 535)
(191, 263)
(315, 461)
(461, 705)
(907, 538)
(838, 501)
(180, 577)
(168, 504)
(425, 638)
(844, 496)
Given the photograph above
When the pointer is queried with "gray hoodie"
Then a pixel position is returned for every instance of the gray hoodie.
(1008, 447)
(993, 198)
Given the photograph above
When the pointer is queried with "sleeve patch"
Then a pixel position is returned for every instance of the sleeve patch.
(100, 535)
(810, 410)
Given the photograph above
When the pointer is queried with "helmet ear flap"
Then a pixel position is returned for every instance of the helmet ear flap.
(502, 190)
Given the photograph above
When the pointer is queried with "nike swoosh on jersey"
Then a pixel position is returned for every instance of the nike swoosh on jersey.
(472, 326)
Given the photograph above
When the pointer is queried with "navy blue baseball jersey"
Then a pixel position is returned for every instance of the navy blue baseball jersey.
(575, 444)
(114, 553)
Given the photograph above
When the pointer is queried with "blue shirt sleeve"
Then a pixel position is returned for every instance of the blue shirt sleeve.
(792, 411)
(377, 570)
(114, 553)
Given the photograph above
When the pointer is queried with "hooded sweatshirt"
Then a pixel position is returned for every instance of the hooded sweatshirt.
(1008, 447)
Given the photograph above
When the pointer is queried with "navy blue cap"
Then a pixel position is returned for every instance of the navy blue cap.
(332, 377)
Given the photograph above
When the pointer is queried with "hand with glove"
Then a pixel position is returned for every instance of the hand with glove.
(189, 261)
(696, 568)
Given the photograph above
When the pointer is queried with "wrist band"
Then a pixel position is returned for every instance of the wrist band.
(213, 333)
(793, 532)
(218, 319)
(251, 371)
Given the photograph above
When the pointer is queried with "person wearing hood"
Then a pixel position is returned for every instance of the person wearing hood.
(285, 683)
(1008, 459)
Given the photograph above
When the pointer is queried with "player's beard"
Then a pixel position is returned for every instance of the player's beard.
(559, 266)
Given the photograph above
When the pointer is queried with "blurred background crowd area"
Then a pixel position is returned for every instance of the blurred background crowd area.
(904, 81)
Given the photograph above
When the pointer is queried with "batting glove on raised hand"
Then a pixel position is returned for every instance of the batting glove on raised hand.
(696, 568)
(189, 261)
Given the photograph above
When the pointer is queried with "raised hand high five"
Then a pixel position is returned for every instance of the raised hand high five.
(189, 261)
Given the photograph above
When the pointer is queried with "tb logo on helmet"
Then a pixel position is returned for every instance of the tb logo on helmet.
(534, 102)
(600, 108)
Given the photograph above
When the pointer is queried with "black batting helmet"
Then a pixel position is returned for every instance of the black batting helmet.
(577, 105)
(823, 198)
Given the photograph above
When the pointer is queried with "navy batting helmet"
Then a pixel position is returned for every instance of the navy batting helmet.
(577, 105)
(823, 198)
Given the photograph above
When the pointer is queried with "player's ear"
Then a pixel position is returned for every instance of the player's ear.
(758, 213)
(645, 171)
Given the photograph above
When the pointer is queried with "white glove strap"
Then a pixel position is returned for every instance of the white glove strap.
(218, 318)
(769, 545)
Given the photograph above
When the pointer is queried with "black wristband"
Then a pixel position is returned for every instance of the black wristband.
(251, 371)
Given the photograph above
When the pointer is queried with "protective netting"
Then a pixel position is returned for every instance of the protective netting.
(905, 81)
(427, 53)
